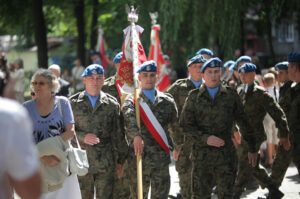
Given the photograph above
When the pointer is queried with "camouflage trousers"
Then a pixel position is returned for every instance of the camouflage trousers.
(101, 183)
(184, 168)
(157, 178)
(246, 171)
(121, 189)
(213, 167)
(282, 161)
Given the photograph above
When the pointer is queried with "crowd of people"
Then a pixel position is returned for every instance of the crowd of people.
(214, 123)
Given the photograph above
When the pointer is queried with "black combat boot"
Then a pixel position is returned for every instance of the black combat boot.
(274, 193)
(237, 195)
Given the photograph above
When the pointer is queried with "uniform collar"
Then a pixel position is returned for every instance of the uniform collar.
(158, 95)
(202, 89)
(102, 99)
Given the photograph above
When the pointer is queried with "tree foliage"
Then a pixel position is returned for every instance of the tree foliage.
(186, 25)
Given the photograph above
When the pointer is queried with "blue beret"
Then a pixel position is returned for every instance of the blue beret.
(205, 51)
(247, 68)
(196, 59)
(294, 57)
(228, 64)
(282, 65)
(118, 58)
(92, 69)
(148, 66)
(94, 53)
(244, 58)
(211, 63)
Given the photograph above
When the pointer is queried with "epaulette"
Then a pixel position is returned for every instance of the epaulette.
(109, 80)
(179, 81)
(75, 96)
(193, 91)
(111, 97)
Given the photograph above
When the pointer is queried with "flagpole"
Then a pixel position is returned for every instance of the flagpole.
(133, 17)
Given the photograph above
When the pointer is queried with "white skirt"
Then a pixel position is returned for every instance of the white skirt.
(69, 190)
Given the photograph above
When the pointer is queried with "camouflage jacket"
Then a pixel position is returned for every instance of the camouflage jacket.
(258, 102)
(110, 87)
(165, 111)
(285, 96)
(294, 113)
(104, 122)
(180, 90)
(203, 116)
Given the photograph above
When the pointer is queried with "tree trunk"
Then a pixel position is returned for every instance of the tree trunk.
(269, 27)
(40, 33)
(79, 15)
(242, 22)
(94, 27)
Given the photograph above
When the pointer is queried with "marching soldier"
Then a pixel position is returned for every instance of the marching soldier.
(293, 118)
(238, 63)
(179, 90)
(97, 124)
(121, 186)
(257, 103)
(289, 99)
(207, 118)
(158, 119)
(110, 83)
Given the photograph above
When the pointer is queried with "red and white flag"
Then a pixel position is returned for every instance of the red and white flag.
(157, 55)
(124, 79)
(101, 48)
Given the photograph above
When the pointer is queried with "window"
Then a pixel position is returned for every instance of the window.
(285, 32)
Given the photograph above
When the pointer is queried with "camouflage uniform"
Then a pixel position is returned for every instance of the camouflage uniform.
(155, 159)
(257, 103)
(104, 121)
(294, 123)
(202, 117)
(121, 188)
(180, 90)
(283, 158)
(110, 87)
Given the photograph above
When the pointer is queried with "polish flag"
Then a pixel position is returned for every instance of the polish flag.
(101, 48)
(157, 55)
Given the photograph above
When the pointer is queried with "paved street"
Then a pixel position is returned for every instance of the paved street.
(290, 186)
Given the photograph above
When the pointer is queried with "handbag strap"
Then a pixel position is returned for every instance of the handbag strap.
(62, 116)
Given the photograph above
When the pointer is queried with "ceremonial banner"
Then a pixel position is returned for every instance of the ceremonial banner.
(125, 74)
(101, 48)
(156, 54)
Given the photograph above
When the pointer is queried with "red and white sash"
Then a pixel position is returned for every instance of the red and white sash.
(153, 125)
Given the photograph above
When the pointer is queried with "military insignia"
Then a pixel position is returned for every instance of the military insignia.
(212, 64)
(94, 72)
(148, 68)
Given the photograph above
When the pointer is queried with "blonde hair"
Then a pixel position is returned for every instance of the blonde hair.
(269, 78)
(52, 80)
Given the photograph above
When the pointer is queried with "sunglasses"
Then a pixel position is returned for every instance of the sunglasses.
(38, 83)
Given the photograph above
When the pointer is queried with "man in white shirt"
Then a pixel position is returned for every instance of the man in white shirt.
(19, 164)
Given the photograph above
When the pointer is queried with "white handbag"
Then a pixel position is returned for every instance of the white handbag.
(78, 160)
